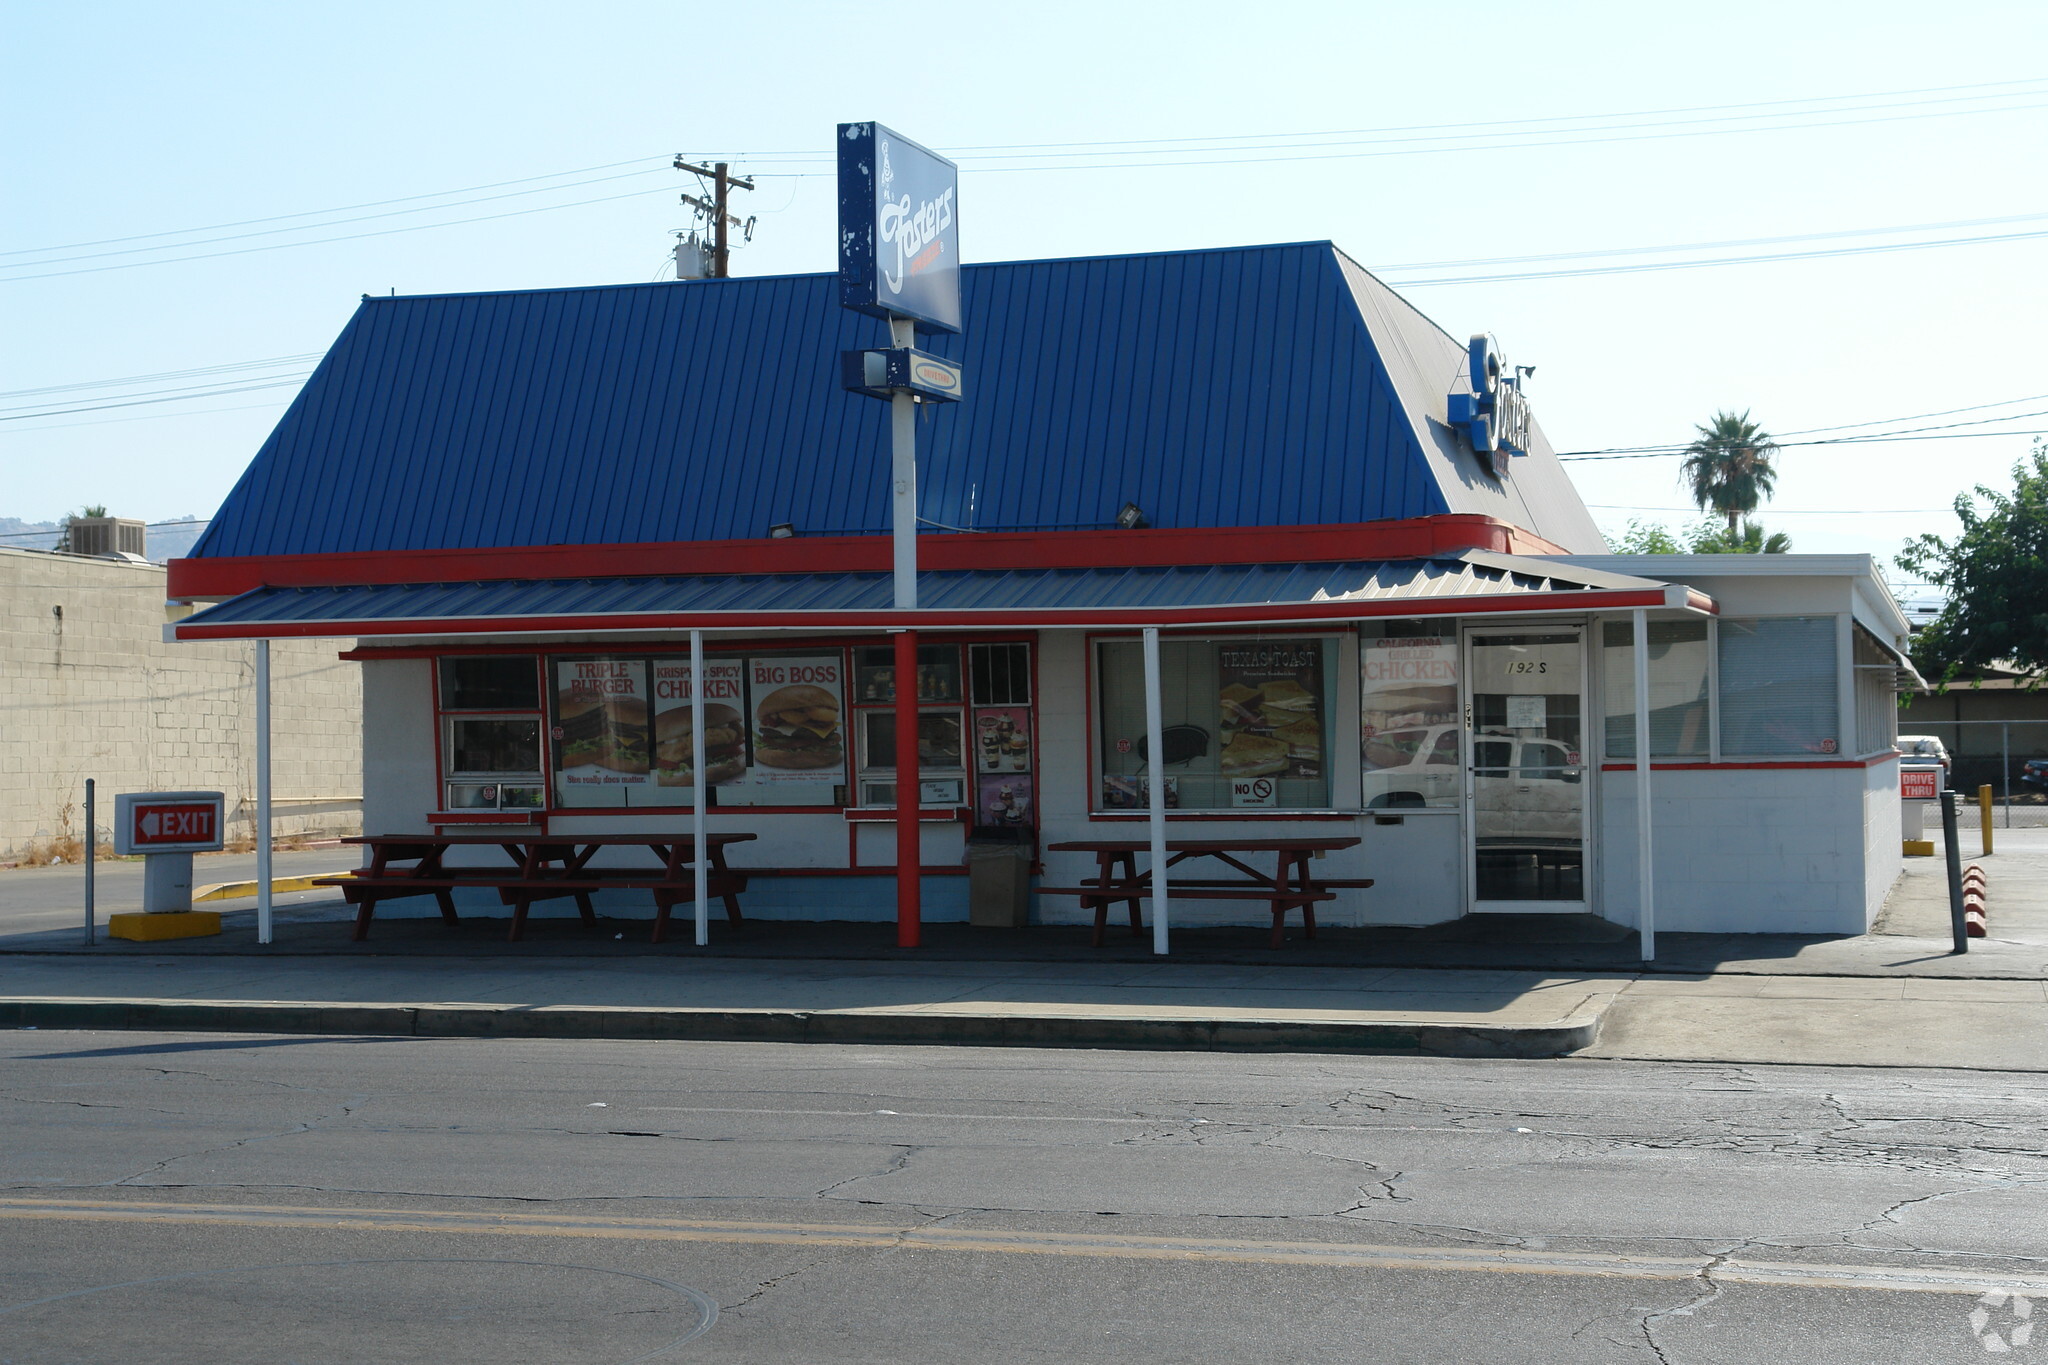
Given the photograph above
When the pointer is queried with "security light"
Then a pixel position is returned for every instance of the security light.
(1132, 517)
(781, 530)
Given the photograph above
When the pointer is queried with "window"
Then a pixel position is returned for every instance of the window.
(491, 761)
(1678, 688)
(1246, 723)
(941, 729)
(1877, 707)
(1779, 686)
(1408, 721)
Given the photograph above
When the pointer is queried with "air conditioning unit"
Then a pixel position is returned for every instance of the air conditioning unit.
(108, 538)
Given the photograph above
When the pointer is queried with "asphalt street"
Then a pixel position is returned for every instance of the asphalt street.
(39, 899)
(181, 1198)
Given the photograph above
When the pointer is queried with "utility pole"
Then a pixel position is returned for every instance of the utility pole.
(723, 182)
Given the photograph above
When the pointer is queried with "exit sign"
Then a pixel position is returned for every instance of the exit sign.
(167, 822)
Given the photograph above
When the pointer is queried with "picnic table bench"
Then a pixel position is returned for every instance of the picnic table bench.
(1291, 885)
(542, 867)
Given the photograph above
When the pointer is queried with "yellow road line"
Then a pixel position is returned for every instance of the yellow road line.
(1910, 1279)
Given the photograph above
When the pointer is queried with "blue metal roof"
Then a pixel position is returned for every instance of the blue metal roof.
(1239, 387)
(1049, 590)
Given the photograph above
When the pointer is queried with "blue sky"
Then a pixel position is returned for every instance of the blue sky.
(131, 119)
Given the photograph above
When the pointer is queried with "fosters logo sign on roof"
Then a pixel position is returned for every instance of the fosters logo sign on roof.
(899, 235)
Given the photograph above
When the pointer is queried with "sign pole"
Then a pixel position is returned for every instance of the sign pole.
(1646, 880)
(263, 791)
(91, 842)
(700, 854)
(909, 844)
(1155, 788)
(903, 476)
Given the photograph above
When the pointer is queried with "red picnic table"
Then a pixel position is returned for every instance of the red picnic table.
(1292, 883)
(542, 867)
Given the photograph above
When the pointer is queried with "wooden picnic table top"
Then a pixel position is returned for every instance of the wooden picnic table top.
(1251, 843)
(715, 839)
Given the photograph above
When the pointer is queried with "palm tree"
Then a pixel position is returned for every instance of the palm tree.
(1729, 467)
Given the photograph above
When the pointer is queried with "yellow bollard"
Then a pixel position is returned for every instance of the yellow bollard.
(1984, 815)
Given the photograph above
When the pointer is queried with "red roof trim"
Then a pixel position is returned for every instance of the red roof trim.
(1533, 603)
(217, 579)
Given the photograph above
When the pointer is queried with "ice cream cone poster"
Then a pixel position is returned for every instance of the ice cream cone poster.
(1270, 708)
(725, 722)
(600, 728)
(795, 719)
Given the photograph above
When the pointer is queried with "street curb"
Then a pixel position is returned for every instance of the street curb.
(798, 1026)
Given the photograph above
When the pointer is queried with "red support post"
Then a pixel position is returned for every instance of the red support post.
(909, 850)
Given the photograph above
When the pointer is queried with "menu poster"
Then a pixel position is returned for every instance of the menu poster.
(1271, 708)
(1405, 684)
(600, 729)
(1002, 739)
(1004, 801)
(797, 734)
(725, 722)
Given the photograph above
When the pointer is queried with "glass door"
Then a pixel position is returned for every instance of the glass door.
(1525, 789)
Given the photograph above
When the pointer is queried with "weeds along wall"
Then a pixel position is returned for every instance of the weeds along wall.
(92, 690)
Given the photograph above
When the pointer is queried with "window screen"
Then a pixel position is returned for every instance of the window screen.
(1678, 688)
(1779, 688)
(490, 684)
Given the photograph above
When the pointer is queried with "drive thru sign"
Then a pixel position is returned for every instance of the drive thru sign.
(167, 822)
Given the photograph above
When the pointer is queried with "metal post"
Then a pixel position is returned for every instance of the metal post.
(2004, 762)
(903, 478)
(1646, 892)
(700, 853)
(263, 791)
(92, 840)
(1957, 927)
(909, 844)
(1155, 789)
(1984, 815)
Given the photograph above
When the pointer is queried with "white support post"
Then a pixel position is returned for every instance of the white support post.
(700, 855)
(1155, 788)
(1646, 894)
(903, 477)
(263, 791)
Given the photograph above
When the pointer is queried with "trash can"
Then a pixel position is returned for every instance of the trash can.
(999, 877)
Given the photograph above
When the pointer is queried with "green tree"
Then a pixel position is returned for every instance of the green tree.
(1728, 467)
(1752, 539)
(1646, 538)
(1994, 575)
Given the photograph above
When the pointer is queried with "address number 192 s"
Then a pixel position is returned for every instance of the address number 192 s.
(1528, 666)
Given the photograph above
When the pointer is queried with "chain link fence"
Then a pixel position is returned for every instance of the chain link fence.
(1991, 753)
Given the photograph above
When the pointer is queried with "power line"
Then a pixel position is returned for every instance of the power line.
(1781, 511)
(314, 227)
(1648, 453)
(146, 417)
(58, 529)
(145, 402)
(224, 368)
(316, 213)
(346, 237)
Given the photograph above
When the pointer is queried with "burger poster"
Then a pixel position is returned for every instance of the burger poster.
(1270, 707)
(795, 717)
(725, 723)
(601, 731)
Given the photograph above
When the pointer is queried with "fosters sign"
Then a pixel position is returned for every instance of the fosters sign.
(899, 236)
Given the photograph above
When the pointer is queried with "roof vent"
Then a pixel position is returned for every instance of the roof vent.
(106, 537)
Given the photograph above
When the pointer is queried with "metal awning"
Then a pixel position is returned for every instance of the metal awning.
(1471, 583)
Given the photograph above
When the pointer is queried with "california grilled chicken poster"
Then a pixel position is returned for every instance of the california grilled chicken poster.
(601, 725)
(1271, 708)
(725, 722)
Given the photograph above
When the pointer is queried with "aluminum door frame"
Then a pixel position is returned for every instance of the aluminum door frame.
(1588, 805)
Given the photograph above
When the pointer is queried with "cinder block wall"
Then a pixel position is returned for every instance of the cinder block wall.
(92, 690)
